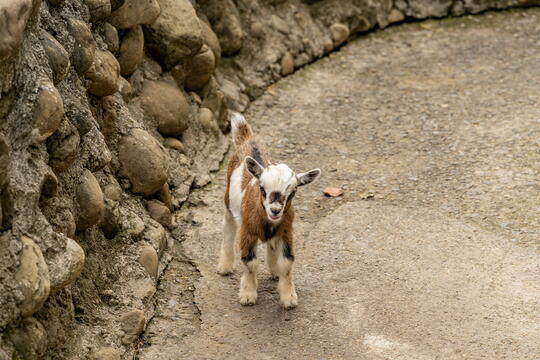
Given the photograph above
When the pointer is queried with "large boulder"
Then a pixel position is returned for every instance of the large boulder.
(14, 16)
(167, 106)
(176, 34)
(143, 161)
(102, 76)
(131, 50)
(135, 12)
(33, 278)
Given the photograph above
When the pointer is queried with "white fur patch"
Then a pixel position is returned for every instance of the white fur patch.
(277, 178)
(236, 119)
(235, 193)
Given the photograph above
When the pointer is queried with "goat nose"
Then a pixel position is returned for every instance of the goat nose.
(275, 212)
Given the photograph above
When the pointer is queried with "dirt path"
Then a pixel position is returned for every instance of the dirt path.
(433, 130)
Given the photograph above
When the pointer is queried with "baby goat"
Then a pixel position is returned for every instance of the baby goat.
(258, 201)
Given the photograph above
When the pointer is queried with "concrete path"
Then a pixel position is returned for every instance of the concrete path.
(433, 131)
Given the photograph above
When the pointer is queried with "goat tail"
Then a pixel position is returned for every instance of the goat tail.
(241, 131)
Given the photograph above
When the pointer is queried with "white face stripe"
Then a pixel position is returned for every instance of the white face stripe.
(278, 178)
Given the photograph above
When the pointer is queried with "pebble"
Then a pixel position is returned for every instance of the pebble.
(340, 33)
(333, 192)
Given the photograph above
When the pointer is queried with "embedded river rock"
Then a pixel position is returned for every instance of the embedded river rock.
(432, 252)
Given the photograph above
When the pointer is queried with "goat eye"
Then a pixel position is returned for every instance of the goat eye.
(263, 192)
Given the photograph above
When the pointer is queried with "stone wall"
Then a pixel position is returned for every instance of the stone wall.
(110, 112)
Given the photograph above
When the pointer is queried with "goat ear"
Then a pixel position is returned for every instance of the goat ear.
(308, 177)
(254, 167)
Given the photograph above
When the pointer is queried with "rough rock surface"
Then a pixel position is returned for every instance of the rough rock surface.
(99, 9)
(110, 37)
(210, 39)
(225, 21)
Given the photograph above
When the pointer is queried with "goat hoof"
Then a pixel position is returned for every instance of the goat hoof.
(224, 270)
(290, 302)
(248, 299)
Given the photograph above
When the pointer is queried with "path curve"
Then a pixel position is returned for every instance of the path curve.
(432, 129)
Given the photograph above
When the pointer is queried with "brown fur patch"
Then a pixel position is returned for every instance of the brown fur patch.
(253, 213)
(242, 134)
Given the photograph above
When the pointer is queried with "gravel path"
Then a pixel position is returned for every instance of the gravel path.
(433, 131)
